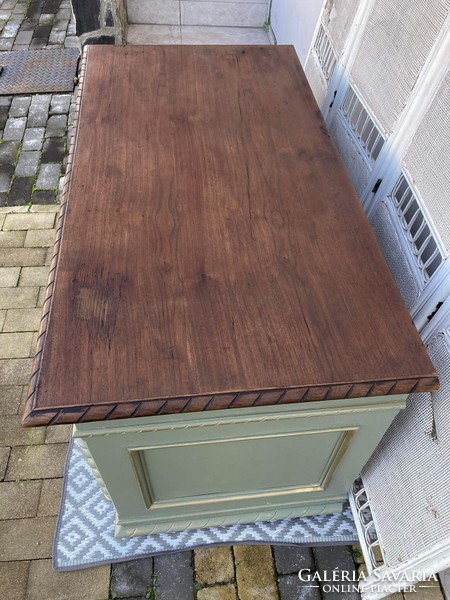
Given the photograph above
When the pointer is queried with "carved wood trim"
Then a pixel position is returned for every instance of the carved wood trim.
(167, 406)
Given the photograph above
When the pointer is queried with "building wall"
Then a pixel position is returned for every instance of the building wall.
(294, 22)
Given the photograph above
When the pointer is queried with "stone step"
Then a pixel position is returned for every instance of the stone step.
(187, 34)
(238, 13)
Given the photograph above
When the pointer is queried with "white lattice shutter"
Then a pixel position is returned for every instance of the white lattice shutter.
(329, 43)
(403, 505)
(414, 233)
(428, 161)
(320, 65)
(394, 70)
(397, 40)
(374, 82)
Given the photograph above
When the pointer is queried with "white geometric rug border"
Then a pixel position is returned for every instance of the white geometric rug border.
(84, 534)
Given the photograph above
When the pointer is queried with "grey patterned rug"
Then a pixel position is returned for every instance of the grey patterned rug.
(85, 530)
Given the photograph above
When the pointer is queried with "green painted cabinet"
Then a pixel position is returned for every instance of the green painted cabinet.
(222, 467)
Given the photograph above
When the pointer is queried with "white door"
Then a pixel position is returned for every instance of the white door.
(380, 72)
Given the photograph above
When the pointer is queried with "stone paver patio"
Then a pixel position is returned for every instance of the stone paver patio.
(31, 460)
(32, 464)
(34, 128)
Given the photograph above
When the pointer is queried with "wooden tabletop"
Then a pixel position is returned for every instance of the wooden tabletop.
(214, 253)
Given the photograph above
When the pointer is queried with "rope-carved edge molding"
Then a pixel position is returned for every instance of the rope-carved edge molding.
(46, 309)
(245, 399)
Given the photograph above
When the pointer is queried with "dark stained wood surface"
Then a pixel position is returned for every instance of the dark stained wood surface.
(214, 252)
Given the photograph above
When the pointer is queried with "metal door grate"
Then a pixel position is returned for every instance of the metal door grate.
(418, 232)
(38, 71)
(362, 124)
(325, 53)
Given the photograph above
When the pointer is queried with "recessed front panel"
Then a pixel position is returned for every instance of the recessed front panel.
(194, 473)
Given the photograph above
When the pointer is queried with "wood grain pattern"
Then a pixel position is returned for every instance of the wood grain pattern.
(214, 251)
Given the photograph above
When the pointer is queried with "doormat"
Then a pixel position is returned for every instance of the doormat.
(38, 71)
(85, 530)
